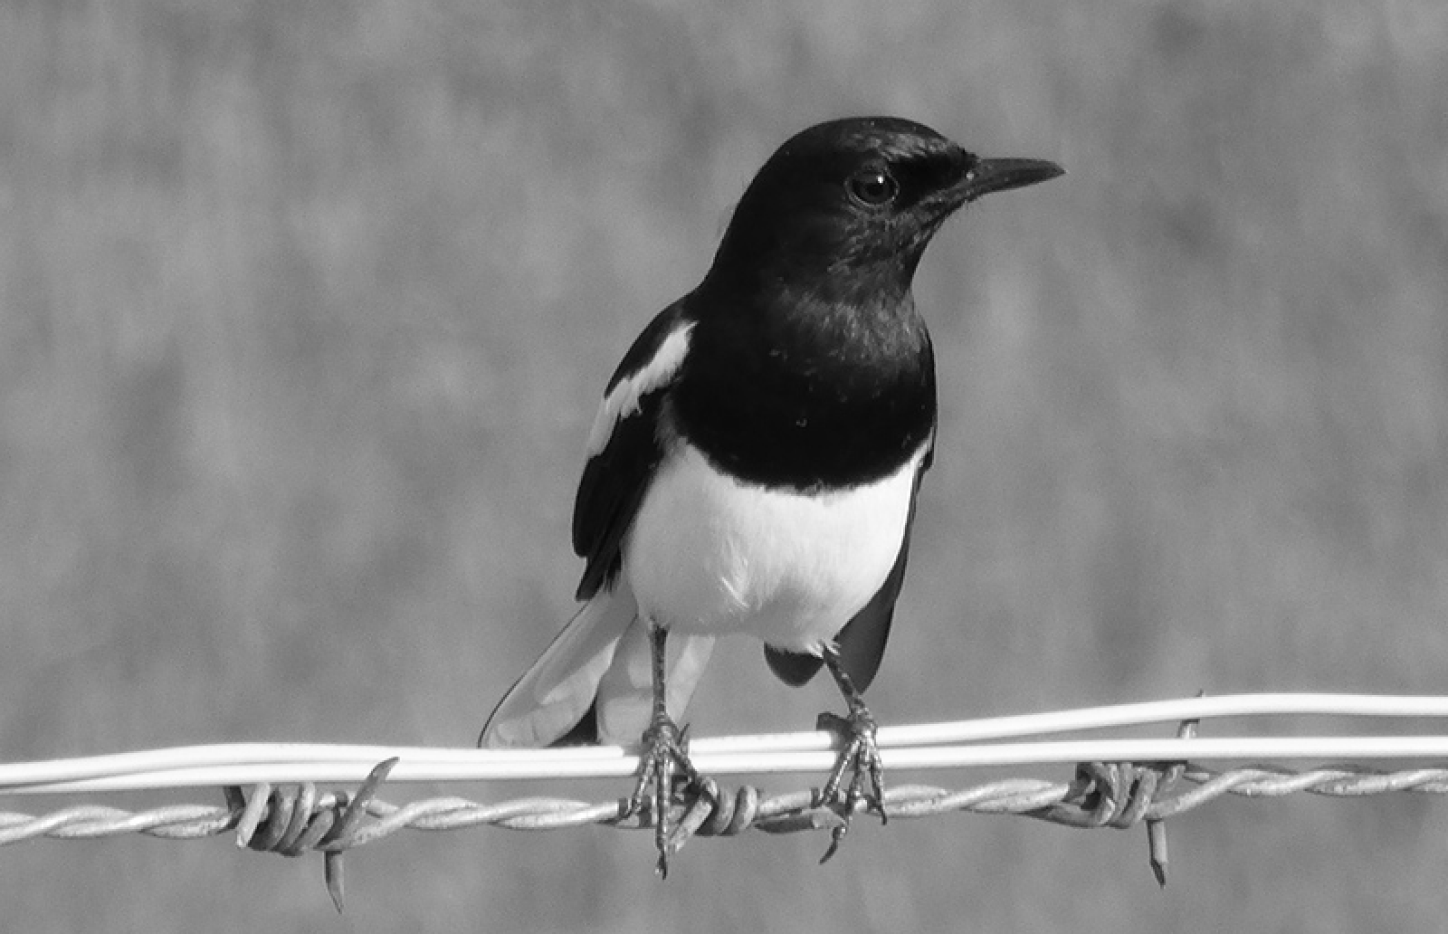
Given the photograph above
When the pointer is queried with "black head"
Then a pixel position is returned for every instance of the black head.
(851, 204)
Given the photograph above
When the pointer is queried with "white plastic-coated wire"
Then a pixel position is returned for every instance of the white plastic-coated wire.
(939, 745)
(480, 765)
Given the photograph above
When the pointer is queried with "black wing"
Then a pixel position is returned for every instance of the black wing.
(626, 447)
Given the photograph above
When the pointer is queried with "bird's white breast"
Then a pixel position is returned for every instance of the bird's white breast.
(709, 554)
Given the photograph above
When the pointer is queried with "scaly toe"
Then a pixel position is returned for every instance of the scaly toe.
(664, 763)
(860, 757)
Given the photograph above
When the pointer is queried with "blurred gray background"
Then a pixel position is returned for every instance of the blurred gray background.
(305, 309)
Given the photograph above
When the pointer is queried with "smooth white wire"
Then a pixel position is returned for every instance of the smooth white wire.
(937, 745)
(1115, 715)
(487, 768)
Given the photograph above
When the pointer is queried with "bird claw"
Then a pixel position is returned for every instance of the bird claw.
(664, 764)
(860, 756)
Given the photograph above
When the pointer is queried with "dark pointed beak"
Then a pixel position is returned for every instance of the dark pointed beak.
(989, 175)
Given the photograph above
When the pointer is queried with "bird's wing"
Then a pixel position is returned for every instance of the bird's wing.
(861, 643)
(585, 686)
(624, 447)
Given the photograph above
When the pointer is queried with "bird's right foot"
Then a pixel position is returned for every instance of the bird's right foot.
(664, 764)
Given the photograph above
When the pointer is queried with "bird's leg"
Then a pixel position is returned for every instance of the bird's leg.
(859, 756)
(663, 758)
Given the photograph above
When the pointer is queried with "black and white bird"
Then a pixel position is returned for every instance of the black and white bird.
(754, 465)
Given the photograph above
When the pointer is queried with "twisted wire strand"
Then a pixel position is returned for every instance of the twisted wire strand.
(784, 813)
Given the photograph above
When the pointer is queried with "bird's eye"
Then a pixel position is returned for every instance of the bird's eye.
(872, 187)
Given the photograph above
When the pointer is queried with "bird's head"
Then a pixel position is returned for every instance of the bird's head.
(849, 206)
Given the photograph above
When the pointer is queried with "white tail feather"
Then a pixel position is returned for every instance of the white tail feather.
(555, 693)
(626, 692)
(603, 653)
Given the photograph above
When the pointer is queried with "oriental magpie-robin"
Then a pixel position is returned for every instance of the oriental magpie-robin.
(754, 465)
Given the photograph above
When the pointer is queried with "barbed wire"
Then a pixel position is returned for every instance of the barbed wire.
(1116, 783)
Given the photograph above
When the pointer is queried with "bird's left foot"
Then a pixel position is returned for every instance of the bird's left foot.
(665, 764)
(859, 756)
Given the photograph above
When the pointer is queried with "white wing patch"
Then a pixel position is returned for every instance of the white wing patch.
(623, 400)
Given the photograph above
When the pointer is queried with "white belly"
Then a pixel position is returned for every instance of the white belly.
(708, 554)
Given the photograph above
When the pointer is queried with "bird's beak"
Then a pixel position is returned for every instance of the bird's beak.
(990, 175)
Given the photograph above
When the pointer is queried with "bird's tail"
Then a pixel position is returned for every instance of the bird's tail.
(599, 666)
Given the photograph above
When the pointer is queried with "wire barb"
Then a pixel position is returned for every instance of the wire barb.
(293, 819)
(1156, 826)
